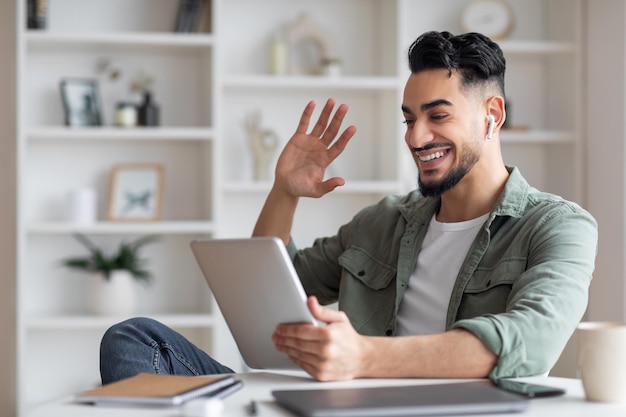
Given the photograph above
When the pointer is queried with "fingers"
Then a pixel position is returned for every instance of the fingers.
(322, 122)
(334, 126)
(322, 129)
(305, 119)
(297, 342)
(307, 332)
(340, 144)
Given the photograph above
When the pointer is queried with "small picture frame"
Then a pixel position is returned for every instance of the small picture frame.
(135, 192)
(81, 102)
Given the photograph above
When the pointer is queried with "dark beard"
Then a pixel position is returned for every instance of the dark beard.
(452, 179)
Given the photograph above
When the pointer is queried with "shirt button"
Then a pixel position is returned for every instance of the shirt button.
(389, 332)
(361, 273)
(488, 283)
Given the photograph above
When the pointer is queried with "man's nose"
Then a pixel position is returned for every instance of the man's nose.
(419, 135)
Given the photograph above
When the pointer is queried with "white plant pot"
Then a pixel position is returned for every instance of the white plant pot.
(115, 296)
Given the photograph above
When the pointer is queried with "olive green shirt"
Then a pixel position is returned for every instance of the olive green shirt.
(521, 289)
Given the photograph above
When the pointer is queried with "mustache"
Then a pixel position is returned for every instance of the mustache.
(429, 146)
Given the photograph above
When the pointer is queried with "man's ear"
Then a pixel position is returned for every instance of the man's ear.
(495, 108)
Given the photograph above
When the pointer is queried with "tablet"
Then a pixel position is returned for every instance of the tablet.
(256, 288)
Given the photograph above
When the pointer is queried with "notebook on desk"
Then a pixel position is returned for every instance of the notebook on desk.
(463, 398)
(146, 389)
(256, 288)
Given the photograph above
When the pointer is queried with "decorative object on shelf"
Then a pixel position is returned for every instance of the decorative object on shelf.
(309, 46)
(493, 18)
(188, 15)
(105, 65)
(81, 102)
(83, 206)
(331, 67)
(126, 114)
(37, 14)
(135, 192)
(279, 53)
(148, 111)
(141, 83)
(113, 289)
(263, 142)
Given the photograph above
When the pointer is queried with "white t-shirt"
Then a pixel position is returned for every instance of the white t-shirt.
(424, 305)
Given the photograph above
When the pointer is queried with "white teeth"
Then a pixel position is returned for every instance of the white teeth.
(431, 156)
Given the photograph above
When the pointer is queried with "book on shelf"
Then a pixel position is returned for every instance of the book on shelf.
(146, 389)
(188, 15)
(37, 14)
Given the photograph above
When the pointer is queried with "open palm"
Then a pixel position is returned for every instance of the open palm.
(302, 164)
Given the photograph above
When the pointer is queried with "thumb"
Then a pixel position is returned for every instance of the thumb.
(324, 314)
(329, 185)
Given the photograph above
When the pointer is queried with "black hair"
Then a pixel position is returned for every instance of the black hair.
(477, 58)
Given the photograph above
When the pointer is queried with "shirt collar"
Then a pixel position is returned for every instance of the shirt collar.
(510, 203)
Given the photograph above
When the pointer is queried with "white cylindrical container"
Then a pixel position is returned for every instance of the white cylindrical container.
(126, 114)
(83, 207)
(279, 55)
(331, 67)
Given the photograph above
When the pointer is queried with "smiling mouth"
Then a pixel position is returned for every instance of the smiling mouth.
(430, 157)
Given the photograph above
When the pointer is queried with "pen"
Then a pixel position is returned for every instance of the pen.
(229, 389)
(252, 408)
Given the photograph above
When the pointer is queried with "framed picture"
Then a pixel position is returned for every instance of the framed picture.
(135, 192)
(81, 102)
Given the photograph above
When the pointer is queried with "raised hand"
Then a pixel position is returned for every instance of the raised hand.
(302, 164)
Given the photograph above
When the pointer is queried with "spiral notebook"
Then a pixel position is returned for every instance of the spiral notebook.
(160, 390)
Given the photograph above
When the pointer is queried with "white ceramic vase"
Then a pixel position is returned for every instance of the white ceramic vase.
(115, 296)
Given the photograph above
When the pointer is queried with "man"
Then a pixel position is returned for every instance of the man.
(477, 273)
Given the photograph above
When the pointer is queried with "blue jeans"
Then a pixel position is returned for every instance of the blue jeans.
(145, 345)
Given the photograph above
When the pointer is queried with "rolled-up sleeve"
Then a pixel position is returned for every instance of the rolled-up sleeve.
(548, 299)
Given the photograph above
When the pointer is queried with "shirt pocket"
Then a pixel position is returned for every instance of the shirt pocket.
(489, 289)
(367, 269)
(365, 290)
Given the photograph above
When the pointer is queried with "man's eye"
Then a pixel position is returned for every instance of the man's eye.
(439, 116)
(408, 122)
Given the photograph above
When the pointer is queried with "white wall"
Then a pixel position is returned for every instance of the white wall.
(7, 207)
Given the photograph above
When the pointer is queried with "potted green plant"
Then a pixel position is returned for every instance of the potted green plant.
(126, 258)
(114, 289)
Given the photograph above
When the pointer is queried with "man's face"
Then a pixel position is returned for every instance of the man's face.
(444, 129)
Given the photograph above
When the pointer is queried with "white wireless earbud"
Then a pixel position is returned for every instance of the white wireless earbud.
(492, 121)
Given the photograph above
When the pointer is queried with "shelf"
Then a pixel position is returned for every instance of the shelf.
(351, 187)
(536, 136)
(118, 133)
(134, 39)
(537, 47)
(86, 322)
(343, 82)
(164, 227)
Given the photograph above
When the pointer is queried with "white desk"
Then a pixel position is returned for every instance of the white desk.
(258, 387)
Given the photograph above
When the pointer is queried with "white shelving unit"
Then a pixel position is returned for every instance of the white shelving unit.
(56, 334)
(365, 36)
(207, 84)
